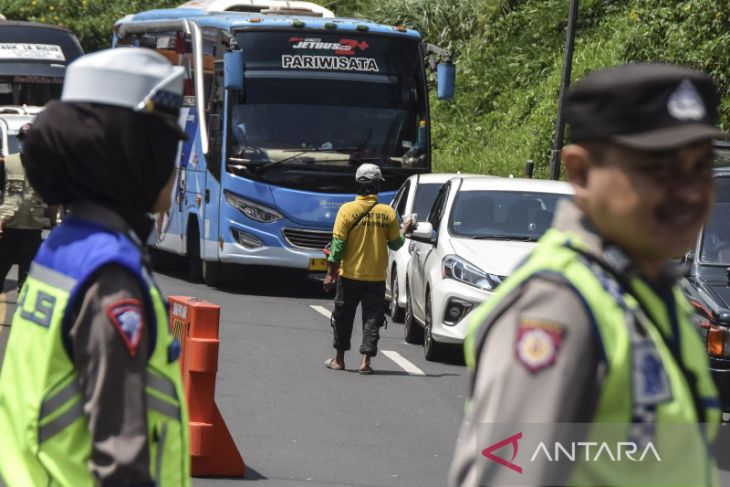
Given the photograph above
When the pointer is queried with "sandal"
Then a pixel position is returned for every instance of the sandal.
(331, 364)
(367, 370)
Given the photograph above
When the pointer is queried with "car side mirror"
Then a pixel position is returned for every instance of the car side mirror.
(424, 233)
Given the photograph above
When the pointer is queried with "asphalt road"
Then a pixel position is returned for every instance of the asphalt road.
(297, 423)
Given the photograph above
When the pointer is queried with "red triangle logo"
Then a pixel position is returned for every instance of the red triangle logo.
(512, 440)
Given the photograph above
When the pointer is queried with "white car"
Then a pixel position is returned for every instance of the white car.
(478, 230)
(416, 195)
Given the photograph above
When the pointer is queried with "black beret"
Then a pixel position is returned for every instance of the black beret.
(643, 106)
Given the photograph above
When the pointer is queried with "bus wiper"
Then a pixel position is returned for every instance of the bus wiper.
(398, 168)
(299, 152)
(324, 149)
(268, 165)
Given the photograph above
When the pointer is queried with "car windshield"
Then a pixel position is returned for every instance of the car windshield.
(425, 195)
(715, 248)
(722, 153)
(29, 90)
(502, 215)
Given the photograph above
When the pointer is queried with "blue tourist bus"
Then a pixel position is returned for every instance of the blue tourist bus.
(283, 101)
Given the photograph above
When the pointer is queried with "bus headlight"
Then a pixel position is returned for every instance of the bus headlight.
(252, 210)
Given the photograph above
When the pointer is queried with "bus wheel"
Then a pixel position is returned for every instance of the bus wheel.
(212, 273)
(195, 265)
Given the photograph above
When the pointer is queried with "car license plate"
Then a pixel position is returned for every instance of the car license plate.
(317, 264)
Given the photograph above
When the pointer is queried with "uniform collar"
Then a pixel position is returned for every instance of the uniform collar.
(571, 219)
(368, 197)
(105, 217)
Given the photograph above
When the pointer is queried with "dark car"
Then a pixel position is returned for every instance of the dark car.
(722, 152)
(707, 285)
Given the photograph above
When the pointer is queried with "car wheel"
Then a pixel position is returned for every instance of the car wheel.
(413, 332)
(432, 350)
(396, 312)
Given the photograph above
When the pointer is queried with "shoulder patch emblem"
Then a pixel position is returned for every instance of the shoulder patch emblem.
(127, 316)
(538, 343)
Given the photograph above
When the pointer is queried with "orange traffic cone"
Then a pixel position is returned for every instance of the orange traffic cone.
(195, 324)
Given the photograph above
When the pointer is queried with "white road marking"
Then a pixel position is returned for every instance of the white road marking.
(399, 359)
(321, 310)
(403, 362)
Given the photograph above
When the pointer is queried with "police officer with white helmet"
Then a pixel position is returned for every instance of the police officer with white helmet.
(90, 388)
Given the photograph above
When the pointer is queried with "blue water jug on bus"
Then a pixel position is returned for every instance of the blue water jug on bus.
(446, 77)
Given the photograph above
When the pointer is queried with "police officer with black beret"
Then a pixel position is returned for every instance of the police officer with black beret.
(592, 330)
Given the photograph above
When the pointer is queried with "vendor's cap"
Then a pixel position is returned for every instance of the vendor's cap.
(644, 106)
(135, 78)
(367, 173)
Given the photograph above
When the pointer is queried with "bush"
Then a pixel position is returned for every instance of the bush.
(509, 56)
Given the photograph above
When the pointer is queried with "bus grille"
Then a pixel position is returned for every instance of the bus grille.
(307, 239)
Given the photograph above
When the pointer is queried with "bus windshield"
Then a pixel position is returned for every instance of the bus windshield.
(326, 103)
(33, 60)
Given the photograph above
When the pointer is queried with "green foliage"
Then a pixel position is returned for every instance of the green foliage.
(446, 23)
(510, 56)
(691, 32)
(90, 20)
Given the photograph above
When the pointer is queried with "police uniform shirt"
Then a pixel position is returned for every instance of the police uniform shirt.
(112, 378)
(509, 388)
(21, 207)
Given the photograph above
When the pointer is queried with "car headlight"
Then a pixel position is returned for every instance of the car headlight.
(252, 210)
(454, 267)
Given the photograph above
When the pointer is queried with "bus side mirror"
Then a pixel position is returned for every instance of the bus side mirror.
(446, 78)
(233, 70)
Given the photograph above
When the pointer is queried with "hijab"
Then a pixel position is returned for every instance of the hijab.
(110, 155)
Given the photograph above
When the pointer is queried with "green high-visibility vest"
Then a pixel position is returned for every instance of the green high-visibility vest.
(616, 314)
(44, 437)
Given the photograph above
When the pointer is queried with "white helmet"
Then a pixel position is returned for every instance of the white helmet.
(135, 78)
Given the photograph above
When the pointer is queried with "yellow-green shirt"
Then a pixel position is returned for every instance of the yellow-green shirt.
(365, 257)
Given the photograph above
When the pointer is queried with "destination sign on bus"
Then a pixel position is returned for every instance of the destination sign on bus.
(35, 52)
(329, 63)
(342, 55)
(345, 53)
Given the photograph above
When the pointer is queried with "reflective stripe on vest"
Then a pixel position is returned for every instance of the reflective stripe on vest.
(59, 399)
(44, 435)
